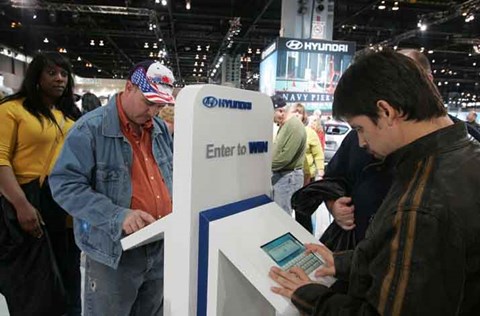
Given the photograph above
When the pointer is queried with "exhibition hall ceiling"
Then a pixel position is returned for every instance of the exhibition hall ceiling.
(104, 38)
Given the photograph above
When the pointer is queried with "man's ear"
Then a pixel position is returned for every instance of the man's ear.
(386, 111)
(129, 86)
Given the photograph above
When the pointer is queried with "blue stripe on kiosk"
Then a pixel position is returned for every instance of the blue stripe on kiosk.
(206, 217)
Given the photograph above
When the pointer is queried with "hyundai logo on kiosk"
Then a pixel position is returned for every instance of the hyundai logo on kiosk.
(211, 102)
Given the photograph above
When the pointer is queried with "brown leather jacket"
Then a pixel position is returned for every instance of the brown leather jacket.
(421, 254)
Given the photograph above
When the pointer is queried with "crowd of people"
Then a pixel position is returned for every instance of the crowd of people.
(75, 181)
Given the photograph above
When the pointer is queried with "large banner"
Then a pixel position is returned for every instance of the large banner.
(305, 70)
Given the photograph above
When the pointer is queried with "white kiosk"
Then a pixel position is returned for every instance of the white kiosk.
(222, 213)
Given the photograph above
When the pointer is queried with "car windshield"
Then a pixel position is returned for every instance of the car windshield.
(336, 129)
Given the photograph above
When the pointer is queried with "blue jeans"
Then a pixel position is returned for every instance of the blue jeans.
(285, 183)
(135, 288)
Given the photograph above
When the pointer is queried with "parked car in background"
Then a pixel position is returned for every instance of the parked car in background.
(335, 132)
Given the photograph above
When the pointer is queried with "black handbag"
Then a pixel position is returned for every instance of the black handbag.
(29, 276)
(306, 201)
(337, 239)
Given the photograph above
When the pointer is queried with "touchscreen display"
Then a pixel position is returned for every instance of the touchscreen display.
(283, 249)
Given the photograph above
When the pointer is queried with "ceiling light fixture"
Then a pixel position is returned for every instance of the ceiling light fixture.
(146, 45)
(164, 2)
(79, 58)
(227, 42)
(422, 26)
(92, 43)
(34, 16)
(469, 18)
(101, 43)
(188, 5)
(395, 6)
(45, 40)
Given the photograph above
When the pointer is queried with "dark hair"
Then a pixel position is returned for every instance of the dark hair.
(90, 102)
(388, 76)
(32, 94)
(278, 101)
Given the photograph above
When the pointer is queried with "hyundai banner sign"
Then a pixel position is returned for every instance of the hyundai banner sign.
(314, 46)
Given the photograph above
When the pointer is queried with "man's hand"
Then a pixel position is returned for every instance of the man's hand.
(29, 219)
(136, 220)
(328, 269)
(343, 213)
(289, 281)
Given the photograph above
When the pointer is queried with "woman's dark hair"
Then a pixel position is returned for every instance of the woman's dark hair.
(90, 102)
(31, 92)
(388, 76)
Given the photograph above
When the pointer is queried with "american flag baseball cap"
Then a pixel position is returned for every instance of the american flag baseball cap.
(154, 80)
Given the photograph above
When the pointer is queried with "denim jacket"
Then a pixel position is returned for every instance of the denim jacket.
(91, 179)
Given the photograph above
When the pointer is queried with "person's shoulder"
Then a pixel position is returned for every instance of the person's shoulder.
(13, 106)
(294, 122)
(311, 133)
(160, 124)
(90, 122)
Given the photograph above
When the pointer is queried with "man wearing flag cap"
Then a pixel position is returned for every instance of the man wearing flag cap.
(114, 176)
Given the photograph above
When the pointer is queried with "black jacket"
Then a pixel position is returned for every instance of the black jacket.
(367, 181)
(421, 254)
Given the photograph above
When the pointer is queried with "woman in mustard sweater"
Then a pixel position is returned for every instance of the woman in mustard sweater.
(34, 123)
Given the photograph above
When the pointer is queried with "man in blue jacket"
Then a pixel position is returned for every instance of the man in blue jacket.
(114, 176)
